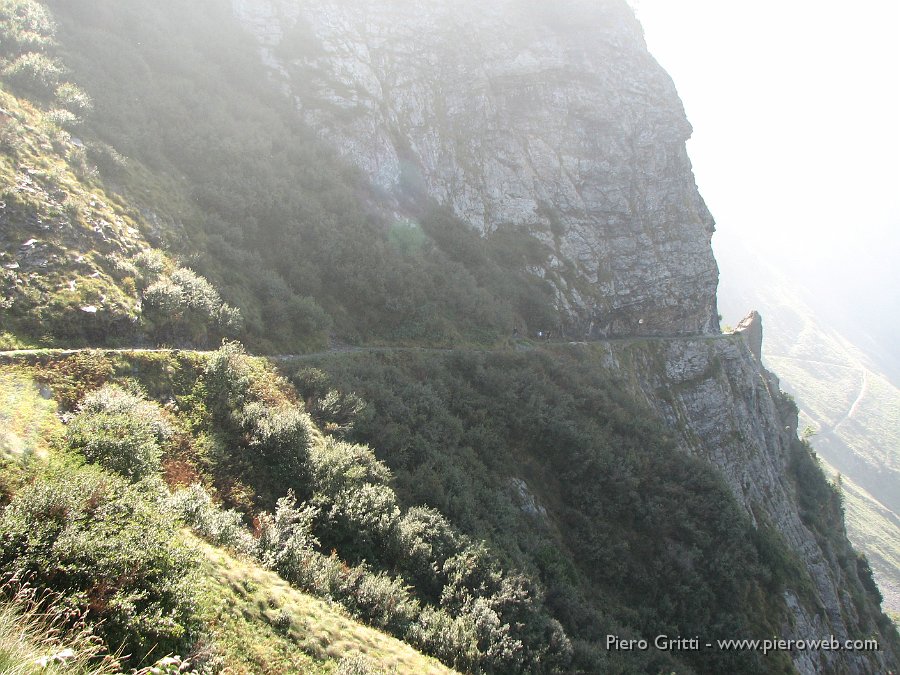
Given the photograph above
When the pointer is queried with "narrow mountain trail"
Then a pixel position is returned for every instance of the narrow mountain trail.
(855, 405)
(12, 354)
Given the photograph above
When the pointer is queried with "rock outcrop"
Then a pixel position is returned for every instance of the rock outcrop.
(751, 329)
(516, 114)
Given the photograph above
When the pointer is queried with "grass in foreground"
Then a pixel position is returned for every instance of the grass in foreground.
(259, 624)
(30, 643)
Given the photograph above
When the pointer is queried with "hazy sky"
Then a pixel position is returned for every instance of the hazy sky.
(796, 112)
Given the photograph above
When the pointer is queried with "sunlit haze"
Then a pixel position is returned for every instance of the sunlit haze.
(795, 112)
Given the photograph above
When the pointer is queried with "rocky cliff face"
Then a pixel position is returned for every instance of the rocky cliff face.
(728, 409)
(516, 113)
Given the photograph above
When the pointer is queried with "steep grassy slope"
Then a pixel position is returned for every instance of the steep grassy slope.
(65, 242)
(83, 266)
(251, 620)
(255, 623)
(264, 626)
(29, 646)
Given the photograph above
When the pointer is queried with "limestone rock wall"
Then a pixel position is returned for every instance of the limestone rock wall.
(516, 113)
(725, 407)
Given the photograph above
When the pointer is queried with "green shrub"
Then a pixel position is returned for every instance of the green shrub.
(184, 306)
(864, 571)
(222, 528)
(73, 98)
(109, 550)
(359, 509)
(336, 412)
(819, 500)
(424, 541)
(288, 545)
(286, 541)
(65, 119)
(311, 383)
(150, 265)
(228, 376)
(469, 574)
(357, 664)
(121, 431)
(280, 433)
(494, 620)
(25, 26)
(34, 73)
(450, 639)
(383, 601)
(500, 650)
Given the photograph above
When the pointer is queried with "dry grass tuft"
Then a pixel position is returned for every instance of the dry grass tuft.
(37, 638)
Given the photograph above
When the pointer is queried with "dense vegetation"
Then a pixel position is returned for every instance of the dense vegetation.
(463, 607)
(103, 538)
(632, 536)
(109, 551)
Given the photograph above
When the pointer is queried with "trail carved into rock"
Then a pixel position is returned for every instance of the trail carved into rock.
(344, 349)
